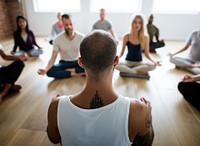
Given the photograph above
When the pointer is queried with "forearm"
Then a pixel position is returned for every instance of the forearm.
(9, 57)
(14, 48)
(50, 64)
(182, 50)
(149, 57)
(197, 78)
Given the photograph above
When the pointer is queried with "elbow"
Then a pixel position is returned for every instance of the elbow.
(4, 57)
(53, 139)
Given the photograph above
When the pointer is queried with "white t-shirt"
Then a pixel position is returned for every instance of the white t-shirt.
(105, 126)
(194, 41)
(68, 49)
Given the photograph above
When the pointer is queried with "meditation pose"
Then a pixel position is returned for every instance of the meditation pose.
(9, 74)
(97, 115)
(191, 61)
(153, 31)
(25, 40)
(67, 44)
(136, 41)
(104, 24)
(190, 89)
(56, 28)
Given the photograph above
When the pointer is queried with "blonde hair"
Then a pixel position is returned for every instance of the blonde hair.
(143, 31)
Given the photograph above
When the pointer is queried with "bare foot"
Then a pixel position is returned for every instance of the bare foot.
(15, 88)
(71, 69)
(74, 74)
(194, 65)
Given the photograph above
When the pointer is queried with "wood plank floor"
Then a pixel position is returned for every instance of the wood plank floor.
(23, 115)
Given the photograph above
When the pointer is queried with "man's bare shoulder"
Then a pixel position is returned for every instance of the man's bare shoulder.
(136, 106)
(140, 122)
(54, 104)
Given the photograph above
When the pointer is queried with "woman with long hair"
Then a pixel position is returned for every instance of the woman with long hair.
(137, 41)
(25, 39)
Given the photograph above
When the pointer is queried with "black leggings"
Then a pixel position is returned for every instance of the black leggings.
(191, 92)
(155, 45)
(9, 74)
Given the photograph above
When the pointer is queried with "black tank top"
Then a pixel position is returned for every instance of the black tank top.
(134, 52)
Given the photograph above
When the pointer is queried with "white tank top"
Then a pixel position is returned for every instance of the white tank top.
(105, 126)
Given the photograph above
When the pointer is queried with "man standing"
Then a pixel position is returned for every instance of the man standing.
(67, 44)
(97, 115)
(104, 24)
(153, 31)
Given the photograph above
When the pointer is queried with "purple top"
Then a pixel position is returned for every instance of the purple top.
(25, 46)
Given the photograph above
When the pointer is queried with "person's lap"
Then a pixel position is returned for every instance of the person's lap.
(33, 52)
(190, 92)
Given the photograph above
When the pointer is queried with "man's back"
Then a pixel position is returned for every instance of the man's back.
(97, 115)
(105, 126)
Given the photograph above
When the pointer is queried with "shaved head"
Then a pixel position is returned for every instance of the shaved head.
(98, 52)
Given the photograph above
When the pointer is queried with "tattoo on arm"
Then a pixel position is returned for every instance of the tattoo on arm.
(148, 120)
(96, 101)
(147, 139)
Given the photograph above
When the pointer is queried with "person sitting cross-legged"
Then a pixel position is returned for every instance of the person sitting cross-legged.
(10, 73)
(56, 29)
(191, 61)
(136, 41)
(104, 24)
(97, 115)
(190, 89)
(153, 31)
(67, 44)
(24, 39)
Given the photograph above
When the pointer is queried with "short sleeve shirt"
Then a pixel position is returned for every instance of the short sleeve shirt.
(152, 31)
(105, 26)
(194, 42)
(68, 49)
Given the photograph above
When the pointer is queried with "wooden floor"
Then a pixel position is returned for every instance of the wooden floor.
(23, 115)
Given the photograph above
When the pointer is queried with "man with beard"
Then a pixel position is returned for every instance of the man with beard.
(67, 44)
(104, 24)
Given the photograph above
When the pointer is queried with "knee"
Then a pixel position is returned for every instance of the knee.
(172, 59)
(51, 73)
(19, 64)
(181, 86)
(152, 67)
(118, 66)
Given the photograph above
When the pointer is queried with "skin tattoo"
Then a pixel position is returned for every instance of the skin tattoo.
(96, 101)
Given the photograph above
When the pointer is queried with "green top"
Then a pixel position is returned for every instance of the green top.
(152, 31)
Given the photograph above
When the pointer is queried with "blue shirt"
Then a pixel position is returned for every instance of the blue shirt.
(134, 52)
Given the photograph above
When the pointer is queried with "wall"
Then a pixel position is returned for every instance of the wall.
(9, 9)
(172, 26)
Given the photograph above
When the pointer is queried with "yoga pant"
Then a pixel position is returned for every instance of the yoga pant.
(184, 62)
(155, 45)
(135, 67)
(32, 52)
(59, 70)
(9, 74)
(191, 92)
